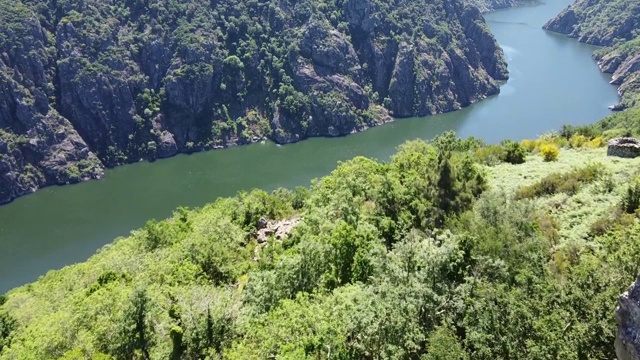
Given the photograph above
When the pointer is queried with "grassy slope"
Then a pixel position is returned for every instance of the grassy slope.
(575, 213)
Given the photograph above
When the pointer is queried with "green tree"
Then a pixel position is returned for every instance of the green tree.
(135, 337)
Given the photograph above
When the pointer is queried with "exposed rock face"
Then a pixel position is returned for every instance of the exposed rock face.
(627, 342)
(623, 62)
(608, 23)
(624, 147)
(279, 230)
(37, 146)
(598, 22)
(89, 84)
(490, 5)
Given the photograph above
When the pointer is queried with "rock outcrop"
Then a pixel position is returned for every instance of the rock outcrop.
(623, 62)
(626, 147)
(93, 84)
(598, 22)
(490, 5)
(613, 24)
(627, 342)
(279, 230)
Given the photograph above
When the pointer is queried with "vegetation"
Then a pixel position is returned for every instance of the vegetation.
(599, 22)
(431, 254)
(549, 152)
(611, 23)
(452, 249)
(554, 183)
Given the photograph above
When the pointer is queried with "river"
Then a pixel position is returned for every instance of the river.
(553, 81)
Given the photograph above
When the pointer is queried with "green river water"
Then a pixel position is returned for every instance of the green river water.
(553, 81)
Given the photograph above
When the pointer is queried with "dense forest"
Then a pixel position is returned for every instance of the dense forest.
(453, 249)
(89, 83)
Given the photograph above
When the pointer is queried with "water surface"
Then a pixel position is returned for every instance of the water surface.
(553, 81)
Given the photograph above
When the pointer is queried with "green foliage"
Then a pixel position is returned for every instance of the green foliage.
(624, 123)
(7, 326)
(443, 344)
(600, 22)
(631, 199)
(134, 338)
(409, 259)
(568, 183)
(514, 153)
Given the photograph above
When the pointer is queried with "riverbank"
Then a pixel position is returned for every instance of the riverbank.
(483, 246)
(74, 221)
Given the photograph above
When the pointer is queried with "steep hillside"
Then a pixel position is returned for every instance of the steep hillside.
(623, 61)
(490, 5)
(88, 84)
(447, 251)
(598, 22)
(608, 23)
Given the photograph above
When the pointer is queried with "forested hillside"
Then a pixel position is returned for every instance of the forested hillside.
(87, 84)
(615, 24)
(451, 250)
(491, 5)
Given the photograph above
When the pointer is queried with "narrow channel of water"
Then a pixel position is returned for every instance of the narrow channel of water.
(553, 81)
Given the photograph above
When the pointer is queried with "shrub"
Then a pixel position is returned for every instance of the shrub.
(490, 154)
(549, 152)
(577, 141)
(616, 218)
(514, 153)
(569, 131)
(530, 145)
(568, 183)
(548, 226)
(631, 200)
(596, 142)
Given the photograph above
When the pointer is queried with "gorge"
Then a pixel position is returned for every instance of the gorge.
(511, 241)
(553, 81)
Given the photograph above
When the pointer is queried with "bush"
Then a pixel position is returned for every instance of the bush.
(577, 141)
(587, 131)
(530, 145)
(549, 152)
(568, 183)
(596, 142)
(617, 218)
(490, 154)
(514, 153)
(631, 200)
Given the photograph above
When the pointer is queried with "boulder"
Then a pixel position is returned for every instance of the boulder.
(626, 147)
(627, 342)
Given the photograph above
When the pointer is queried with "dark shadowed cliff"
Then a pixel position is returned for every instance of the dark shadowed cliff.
(93, 84)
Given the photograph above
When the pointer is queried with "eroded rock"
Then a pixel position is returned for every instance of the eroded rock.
(280, 230)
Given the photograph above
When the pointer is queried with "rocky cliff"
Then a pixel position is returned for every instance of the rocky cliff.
(598, 22)
(628, 318)
(611, 23)
(623, 62)
(88, 84)
(490, 5)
